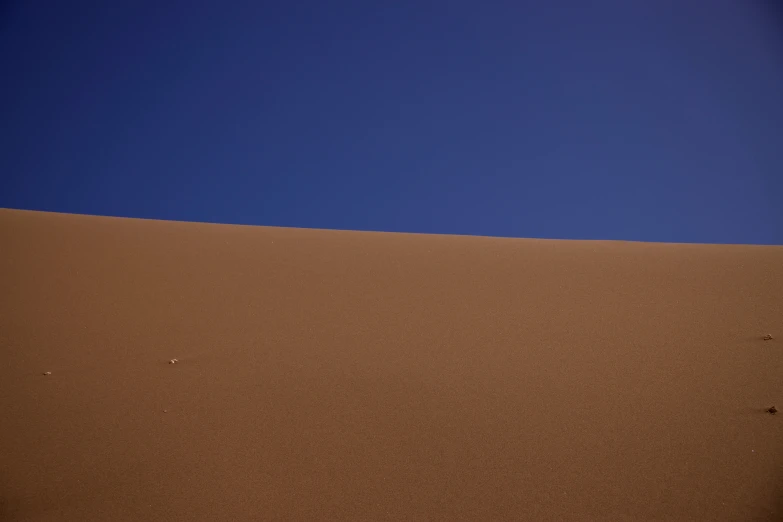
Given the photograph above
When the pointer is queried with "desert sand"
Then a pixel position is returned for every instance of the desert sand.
(336, 375)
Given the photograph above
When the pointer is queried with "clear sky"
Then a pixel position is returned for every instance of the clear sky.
(625, 119)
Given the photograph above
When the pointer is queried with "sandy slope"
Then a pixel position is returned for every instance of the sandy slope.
(330, 375)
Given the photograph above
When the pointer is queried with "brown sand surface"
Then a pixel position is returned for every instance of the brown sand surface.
(332, 375)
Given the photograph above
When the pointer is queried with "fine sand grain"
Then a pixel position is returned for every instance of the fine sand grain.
(178, 371)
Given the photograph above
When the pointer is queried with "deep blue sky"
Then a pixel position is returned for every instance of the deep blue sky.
(626, 119)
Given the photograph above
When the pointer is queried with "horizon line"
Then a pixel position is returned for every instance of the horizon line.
(375, 231)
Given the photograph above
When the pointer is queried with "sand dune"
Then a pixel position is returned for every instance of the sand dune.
(331, 375)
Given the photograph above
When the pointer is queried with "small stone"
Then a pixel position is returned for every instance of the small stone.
(772, 411)
(47, 373)
(767, 337)
(173, 361)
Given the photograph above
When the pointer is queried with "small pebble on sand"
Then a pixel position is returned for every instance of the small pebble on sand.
(173, 361)
(767, 337)
(47, 373)
(772, 411)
